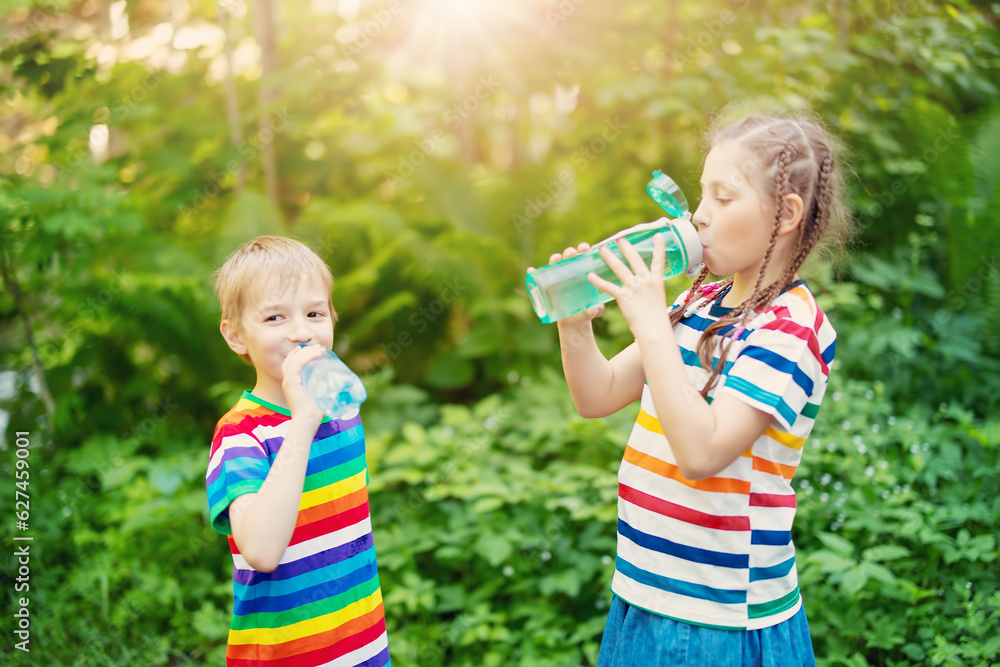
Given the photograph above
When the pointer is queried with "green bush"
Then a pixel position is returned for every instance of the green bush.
(495, 527)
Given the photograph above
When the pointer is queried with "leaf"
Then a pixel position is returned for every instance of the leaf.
(564, 581)
(854, 580)
(831, 563)
(494, 548)
(484, 505)
(837, 544)
(450, 371)
(165, 478)
(884, 552)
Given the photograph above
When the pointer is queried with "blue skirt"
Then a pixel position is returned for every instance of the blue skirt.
(634, 637)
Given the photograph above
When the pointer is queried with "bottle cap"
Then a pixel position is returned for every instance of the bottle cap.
(688, 235)
(667, 194)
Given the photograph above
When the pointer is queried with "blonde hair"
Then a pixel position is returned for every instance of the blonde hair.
(266, 261)
(788, 155)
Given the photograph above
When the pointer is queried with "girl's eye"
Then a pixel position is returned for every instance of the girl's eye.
(316, 314)
(271, 318)
(722, 200)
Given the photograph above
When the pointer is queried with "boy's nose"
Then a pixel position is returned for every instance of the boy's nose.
(299, 333)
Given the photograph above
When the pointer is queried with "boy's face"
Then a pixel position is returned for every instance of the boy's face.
(277, 322)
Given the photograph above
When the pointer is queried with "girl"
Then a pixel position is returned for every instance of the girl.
(730, 379)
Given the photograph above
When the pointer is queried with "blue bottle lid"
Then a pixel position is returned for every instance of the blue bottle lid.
(667, 194)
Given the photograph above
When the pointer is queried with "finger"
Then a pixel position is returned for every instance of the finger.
(629, 252)
(583, 247)
(616, 265)
(300, 356)
(569, 252)
(659, 263)
(604, 285)
(530, 269)
(554, 257)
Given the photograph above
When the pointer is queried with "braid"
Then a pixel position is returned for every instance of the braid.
(677, 313)
(758, 297)
(821, 212)
(798, 157)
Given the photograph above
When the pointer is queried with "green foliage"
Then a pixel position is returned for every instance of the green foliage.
(430, 168)
(896, 531)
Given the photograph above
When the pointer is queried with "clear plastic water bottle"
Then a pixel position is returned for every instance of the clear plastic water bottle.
(337, 391)
(561, 289)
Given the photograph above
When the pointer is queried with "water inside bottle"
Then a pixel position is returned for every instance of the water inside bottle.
(338, 393)
(566, 291)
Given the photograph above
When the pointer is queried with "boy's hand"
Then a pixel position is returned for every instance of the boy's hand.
(300, 403)
(583, 315)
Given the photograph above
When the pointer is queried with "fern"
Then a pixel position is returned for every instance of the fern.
(984, 156)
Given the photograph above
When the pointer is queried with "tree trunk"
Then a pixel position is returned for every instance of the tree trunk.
(10, 283)
(232, 100)
(264, 30)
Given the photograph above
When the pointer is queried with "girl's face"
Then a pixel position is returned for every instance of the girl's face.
(734, 223)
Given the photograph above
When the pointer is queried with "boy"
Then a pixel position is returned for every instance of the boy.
(287, 484)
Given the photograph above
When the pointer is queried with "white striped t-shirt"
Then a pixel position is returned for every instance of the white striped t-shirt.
(718, 551)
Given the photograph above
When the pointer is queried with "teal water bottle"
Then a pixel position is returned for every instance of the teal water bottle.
(337, 391)
(561, 289)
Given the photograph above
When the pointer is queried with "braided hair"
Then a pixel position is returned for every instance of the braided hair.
(791, 155)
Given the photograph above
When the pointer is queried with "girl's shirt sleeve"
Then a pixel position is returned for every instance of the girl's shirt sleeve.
(239, 465)
(782, 368)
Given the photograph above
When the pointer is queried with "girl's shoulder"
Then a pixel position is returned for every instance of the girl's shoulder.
(796, 304)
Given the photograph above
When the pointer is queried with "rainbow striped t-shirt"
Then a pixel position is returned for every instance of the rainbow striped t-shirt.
(718, 552)
(322, 605)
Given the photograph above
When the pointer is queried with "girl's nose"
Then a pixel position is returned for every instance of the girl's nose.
(699, 217)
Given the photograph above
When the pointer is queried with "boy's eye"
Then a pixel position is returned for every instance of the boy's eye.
(315, 314)
(271, 318)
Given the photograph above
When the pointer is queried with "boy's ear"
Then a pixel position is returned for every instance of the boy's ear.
(792, 215)
(232, 337)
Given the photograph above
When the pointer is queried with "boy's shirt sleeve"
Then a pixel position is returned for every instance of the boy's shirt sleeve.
(781, 366)
(239, 465)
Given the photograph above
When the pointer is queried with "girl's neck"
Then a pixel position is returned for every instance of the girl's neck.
(743, 286)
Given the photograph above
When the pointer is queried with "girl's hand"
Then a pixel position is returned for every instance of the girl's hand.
(584, 315)
(641, 296)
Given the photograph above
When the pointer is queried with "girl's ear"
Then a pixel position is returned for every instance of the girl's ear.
(232, 337)
(792, 216)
